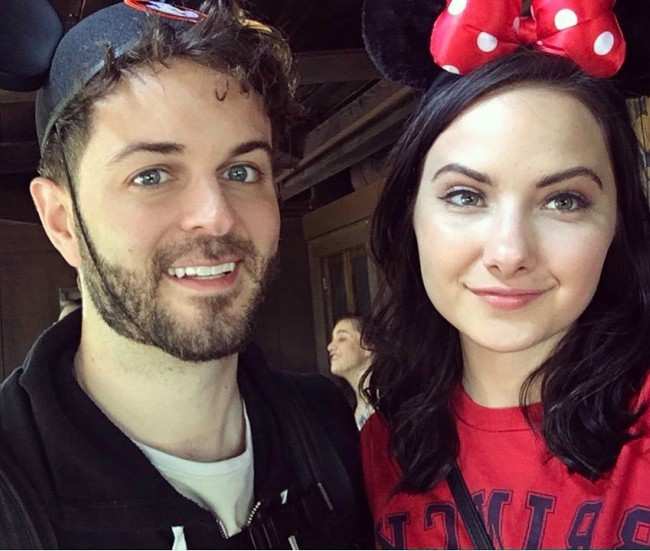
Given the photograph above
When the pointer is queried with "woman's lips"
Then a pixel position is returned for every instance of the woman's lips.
(507, 299)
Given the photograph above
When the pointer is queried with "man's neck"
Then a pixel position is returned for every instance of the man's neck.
(191, 410)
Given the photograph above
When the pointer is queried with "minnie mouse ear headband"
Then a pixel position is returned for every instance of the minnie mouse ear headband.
(34, 51)
(415, 41)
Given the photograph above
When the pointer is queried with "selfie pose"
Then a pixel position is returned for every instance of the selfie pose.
(511, 346)
(145, 419)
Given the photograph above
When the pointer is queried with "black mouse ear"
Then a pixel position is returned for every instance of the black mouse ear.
(29, 33)
(397, 34)
(634, 17)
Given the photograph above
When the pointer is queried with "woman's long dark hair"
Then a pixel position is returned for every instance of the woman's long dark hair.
(589, 383)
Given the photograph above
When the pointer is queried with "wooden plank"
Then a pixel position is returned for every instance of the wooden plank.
(348, 209)
(335, 66)
(368, 124)
(379, 99)
(7, 96)
(19, 157)
(21, 238)
(352, 151)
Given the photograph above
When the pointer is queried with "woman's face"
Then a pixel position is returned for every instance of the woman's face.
(515, 212)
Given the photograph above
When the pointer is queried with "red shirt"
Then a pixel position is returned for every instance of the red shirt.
(527, 498)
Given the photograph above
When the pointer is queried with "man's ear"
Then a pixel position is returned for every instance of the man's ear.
(54, 206)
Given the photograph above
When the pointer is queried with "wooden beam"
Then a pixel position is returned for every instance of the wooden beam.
(19, 157)
(16, 97)
(374, 103)
(383, 133)
(368, 124)
(335, 66)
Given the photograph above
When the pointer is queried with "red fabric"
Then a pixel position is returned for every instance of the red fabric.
(527, 498)
(469, 33)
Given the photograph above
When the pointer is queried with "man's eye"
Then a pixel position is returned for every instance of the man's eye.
(152, 177)
(242, 173)
(464, 198)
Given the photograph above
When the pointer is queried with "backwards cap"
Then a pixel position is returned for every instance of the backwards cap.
(81, 55)
(78, 56)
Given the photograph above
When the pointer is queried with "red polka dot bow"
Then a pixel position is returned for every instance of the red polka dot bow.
(469, 33)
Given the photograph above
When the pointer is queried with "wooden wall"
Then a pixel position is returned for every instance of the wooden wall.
(31, 272)
(285, 330)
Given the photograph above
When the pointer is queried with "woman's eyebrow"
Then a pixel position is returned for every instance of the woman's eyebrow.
(544, 182)
(470, 173)
(568, 174)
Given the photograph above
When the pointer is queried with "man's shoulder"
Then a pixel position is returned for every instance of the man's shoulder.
(14, 401)
(322, 397)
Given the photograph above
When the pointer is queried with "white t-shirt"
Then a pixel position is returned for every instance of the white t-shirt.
(223, 487)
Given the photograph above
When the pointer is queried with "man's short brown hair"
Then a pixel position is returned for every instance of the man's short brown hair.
(226, 41)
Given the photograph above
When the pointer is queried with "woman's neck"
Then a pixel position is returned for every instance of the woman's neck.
(494, 378)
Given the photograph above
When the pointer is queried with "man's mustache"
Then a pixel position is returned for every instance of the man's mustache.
(210, 248)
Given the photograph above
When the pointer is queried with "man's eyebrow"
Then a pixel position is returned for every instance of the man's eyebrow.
(252, 145)
(341, 332)
(166, 148)
(170, 148)
(456, 167)
(568, 174)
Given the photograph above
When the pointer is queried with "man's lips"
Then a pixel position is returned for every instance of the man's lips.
(189, 262)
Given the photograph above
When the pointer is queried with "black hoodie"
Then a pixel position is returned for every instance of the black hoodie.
(99, 491)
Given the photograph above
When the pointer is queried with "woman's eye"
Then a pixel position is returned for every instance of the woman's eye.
(464, 198)
(242, 173)
(151, 178)
(567, 202)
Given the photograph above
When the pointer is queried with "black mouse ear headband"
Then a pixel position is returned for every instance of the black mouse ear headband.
(36, 54)
(414, 41)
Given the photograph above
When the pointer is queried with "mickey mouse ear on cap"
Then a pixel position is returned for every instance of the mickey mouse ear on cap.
(29, 33)
(396, 34)
(81, 53)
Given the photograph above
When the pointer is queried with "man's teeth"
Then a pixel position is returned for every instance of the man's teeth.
(202, 271)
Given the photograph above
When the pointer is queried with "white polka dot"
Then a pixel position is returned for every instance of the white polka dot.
(456, 7)
(604, 43)
(516, 23)
(565, 19)
(486, 42)
(451, 69)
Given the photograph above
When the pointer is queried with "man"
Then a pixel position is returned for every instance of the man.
(350, 361)
(143, 420)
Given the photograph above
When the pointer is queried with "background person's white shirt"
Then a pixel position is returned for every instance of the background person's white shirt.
(223, 487)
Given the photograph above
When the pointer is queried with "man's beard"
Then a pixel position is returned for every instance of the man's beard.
(130, 302)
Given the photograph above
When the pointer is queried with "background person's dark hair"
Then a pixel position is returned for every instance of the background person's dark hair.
(589, 382)
(357, 321)
(226, 40)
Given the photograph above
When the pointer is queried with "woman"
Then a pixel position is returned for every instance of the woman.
(510, 347)
(349, 360)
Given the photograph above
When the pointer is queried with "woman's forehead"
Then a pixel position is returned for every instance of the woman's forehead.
(536, 127)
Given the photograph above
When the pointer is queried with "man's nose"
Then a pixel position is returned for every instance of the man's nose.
(207, 207)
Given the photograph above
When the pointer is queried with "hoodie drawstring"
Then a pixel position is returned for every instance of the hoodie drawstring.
(179, 538)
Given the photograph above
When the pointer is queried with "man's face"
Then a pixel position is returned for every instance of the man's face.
(176, 197)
